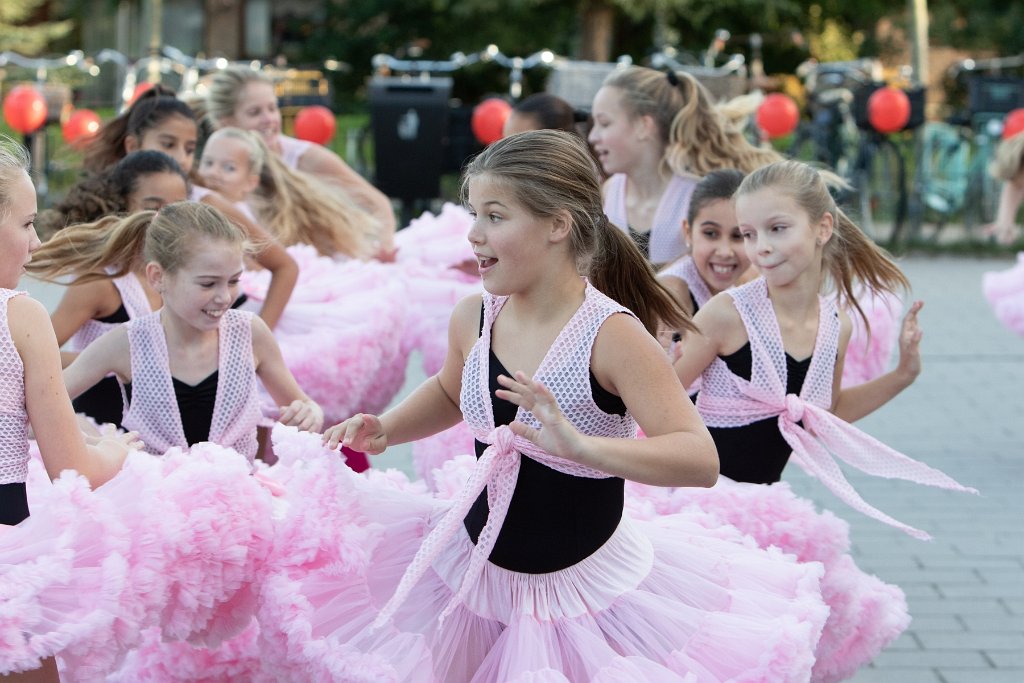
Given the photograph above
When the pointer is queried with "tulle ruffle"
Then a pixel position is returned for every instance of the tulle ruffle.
(870, 352)
(1004, 291)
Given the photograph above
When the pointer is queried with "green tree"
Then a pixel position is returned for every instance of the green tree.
(18, 31)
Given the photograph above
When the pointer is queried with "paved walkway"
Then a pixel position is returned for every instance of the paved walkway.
(964, 415)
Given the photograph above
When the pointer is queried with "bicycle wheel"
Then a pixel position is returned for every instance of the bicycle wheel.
(880, 182)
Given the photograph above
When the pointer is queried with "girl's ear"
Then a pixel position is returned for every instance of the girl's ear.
(686, 233)
(561, 226)
(253, 181)
(825, 228)
(155, 276)
(131, 144)
(646, 128)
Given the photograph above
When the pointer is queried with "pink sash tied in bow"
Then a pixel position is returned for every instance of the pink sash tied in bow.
(727, 400)
(566, 371)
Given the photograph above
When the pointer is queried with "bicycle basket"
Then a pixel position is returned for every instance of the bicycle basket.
(994, 94)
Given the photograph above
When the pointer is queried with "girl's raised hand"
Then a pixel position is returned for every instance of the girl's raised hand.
(305, 414)
(361, 432)
(910, 343)
(1005, 233)
(556, 435)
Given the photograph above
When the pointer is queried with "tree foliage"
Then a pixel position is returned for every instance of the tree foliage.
(19, 35)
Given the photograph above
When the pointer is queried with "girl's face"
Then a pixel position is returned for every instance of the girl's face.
(717, 245)
(17, 230)
(617, 136)
(203, 289)
(227, 167)
(780, 239)
(175, 136)
(510, 242)
(256, 110)
(155, 190)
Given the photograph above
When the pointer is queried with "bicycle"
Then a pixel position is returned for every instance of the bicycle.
(953, 179)
(829, 136)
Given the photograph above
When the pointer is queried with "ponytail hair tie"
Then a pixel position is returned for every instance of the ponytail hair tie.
(672, 78)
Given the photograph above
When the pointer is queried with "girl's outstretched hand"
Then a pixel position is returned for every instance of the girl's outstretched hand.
(556, 435)
(910, 343)
(361, 432)
(1005, 233)
(306, 414)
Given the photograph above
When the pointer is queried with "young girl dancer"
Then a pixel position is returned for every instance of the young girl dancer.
(192, 365)
(770, 356)
(158, 121)
(656, 134)
(291, 205)
(542, 573)
(716, 259)
(1005, 290)
(338, 333)
(245, 98)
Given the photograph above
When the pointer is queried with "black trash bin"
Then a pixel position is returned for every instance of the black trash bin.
(409, 119)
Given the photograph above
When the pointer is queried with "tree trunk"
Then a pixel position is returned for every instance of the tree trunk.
(598, 30)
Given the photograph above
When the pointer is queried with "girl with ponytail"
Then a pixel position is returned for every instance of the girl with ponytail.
(656, 135)
(770, 355)
(553, 373)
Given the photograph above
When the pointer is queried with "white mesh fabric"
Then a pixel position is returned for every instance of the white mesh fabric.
(686, 270)
(13, 415)
(727, 400)
(153, 410)
(565, 370)
(135, 301)
(666, 242)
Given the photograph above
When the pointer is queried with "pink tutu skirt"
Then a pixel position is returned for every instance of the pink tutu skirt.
(341, 332)
(1004, 291)
(670, 599)
(869, 353)
(439, 268)
(173, 543)
(865, 613)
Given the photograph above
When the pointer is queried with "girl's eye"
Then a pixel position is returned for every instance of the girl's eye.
(777, 228)
(494, 218)
(234, 281)
(711, 234)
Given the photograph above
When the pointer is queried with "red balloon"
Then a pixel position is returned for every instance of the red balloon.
(315, 124)
(888, 110)
(488, 120)
(778, 115)
(25, 109)
(1013, 124)
(80, 127)
(140, 88)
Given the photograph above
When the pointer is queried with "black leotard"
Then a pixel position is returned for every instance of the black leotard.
(756, 453)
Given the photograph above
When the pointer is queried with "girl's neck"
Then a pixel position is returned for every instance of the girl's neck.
(554, 297)
(180, 334)
(798, 300)
(647, 182)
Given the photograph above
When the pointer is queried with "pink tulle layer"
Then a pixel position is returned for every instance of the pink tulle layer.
(670, 599)
(173, 543)
(1004, 291)
(865, 613)
(870, 353)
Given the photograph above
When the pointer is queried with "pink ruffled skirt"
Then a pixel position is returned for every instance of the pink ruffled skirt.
(1004, 291)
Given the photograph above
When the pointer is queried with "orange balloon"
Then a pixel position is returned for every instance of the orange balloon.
(488, 120)
(80, 127)
(778, 115)
(25, 109)
(315, 124)
(1013, 124)
(888, 110)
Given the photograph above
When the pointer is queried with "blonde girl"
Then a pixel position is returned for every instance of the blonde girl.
(656, 134)
(293, 206)
(245, 98)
